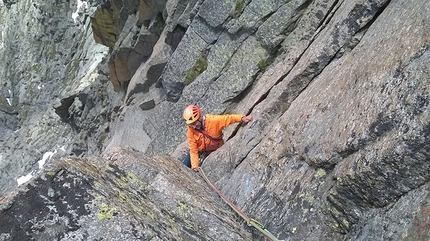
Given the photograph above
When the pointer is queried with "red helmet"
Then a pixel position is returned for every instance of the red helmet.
(191, 114)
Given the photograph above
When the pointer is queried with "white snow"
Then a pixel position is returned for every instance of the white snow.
(46, 157)
(80, 4)
(24, 179)
(8, 99)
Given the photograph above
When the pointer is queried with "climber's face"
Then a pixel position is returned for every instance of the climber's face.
(196, 124)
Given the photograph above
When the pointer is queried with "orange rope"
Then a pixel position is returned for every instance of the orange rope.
(249, 221)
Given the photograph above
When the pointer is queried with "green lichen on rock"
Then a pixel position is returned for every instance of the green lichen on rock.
(262, 65)
(183, 209)
(345, 224)
(131, 176)
(238, 8)
(57, 173)
(51, 173)
(105, 211)
(320, 173)
(294, 230)
(284, 107)
(199, 66)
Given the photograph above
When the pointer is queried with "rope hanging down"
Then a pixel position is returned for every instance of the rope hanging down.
(251, 222)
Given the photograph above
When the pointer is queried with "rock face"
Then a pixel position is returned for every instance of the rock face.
(54, 93)
(80, 199)
(339, 148)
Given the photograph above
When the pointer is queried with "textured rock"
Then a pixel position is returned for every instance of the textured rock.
(43, 69)
(344, 126)
(133, 46)
(109, 19)
(338, 149)
(90, 198)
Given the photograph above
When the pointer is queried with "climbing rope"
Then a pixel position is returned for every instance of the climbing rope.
(251, 222)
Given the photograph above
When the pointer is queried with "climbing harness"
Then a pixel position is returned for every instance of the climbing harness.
(251, 222)
(216, 142)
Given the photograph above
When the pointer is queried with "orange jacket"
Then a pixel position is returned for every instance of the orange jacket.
(213, 126)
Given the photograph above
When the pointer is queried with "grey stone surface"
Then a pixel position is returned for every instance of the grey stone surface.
(93, 198)
(48, 58)
(338, 149)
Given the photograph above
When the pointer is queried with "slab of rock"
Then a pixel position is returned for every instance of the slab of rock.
(123, 196)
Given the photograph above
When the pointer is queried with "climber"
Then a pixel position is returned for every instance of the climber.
(204, 133)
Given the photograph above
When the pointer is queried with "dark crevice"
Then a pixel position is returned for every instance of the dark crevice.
(327, 18)
(304, 5)
(314, 70)
(356, 38)
(317, 67)
(174, 37)
(71, 109)
(324, 23)
(271, 59)
(339, 218)
(376, 15)
(218, 30)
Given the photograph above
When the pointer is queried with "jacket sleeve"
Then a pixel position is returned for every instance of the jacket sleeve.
(194, 151)
(224, 120)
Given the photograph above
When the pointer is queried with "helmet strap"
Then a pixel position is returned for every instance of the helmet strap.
(203, 121)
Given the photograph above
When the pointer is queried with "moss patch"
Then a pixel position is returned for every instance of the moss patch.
(199, 66)
(284, 107)
(238, 8)
(262, 65)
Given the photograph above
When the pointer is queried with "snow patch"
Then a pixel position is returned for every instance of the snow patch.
(8, 99)
(25, 178)
(46, 157)
(75, 15)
